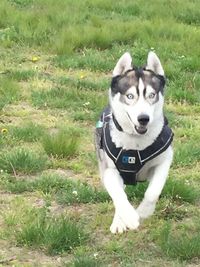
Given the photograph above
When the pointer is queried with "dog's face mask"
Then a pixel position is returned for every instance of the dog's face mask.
(136, 95)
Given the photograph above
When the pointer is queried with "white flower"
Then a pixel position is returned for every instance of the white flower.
(95, 255)
(75, 193)
(187, 182)
(86, 104)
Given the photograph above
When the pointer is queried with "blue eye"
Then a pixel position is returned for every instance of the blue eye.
(130, 96)
(152, 95)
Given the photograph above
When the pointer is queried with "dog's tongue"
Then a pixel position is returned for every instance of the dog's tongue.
(141, 129)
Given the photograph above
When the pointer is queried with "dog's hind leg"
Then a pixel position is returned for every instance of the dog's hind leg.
(156, 184)
(126, 216)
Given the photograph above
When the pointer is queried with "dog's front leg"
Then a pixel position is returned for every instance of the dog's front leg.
(156, 184)
(126, 216)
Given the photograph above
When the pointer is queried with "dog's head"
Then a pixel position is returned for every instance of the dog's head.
(136, 94)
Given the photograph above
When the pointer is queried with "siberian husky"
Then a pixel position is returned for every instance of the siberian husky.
(133, 140)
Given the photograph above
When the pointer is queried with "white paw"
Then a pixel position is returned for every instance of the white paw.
(128, 215)
(146, 209)
(117, 225)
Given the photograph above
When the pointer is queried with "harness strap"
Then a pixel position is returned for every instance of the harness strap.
(129, 162)
(161, 143)
(119, 128)
(110, 147)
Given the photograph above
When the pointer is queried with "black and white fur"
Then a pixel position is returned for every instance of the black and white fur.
(137, 104)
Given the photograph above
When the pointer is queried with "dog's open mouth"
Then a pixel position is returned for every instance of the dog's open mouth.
(141, 129)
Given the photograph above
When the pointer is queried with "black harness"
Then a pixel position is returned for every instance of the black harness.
(130, 162)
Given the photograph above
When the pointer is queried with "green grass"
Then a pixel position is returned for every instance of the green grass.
(21, 75)
(93, 60)
(55, 235)
(85, 262)
(22, 160)
(174, 189)
(21, 3)
(181, 190)
(84, 82)
(81, 193)
(184, 155)
(68, 98)
(9, 92)
(172, 210)
(49, 178)
(38, 228)
(29, 132)
(62, 144)
(65, 191)
(81, 104)
(12, 185)
(185, 245)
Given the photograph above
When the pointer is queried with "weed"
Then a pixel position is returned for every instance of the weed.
(28, 132)
(182, 245)
(68, 192)
(180, 191)
(22, 160)
(65, 191)
(50, 183)
(189, 18)
(53, 234)
(63, 144)
(11, 184)
(9, 92)
(81, 193)
(22, 75)
(21, 3)
(86, 83)
(172, 211)
(89, 59)
(70, 99)
(186, 153)
(85, 261)
(174, 189)
(46, 183)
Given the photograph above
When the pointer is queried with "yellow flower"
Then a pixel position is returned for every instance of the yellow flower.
(4, 131)
(34, 59)
(82, 75)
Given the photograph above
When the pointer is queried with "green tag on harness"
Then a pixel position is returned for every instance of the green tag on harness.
(99, 124)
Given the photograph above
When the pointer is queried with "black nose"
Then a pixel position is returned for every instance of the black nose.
(143, 119)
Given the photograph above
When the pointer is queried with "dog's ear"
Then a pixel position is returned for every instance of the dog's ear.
(153, 63)
(123, 64)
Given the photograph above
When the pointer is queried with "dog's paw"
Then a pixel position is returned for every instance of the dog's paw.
(146, 209)
(117, 226)
(129, 217)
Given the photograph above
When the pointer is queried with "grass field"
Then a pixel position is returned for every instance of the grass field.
(56, 60)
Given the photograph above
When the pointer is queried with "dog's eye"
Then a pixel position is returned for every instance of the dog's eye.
(152, 95)
(130, 96)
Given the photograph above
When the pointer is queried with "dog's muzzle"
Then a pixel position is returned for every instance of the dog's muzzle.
(143, 120)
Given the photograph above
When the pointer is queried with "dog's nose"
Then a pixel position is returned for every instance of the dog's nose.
(143, 119)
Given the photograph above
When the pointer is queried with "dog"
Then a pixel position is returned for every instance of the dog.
(133, 140)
